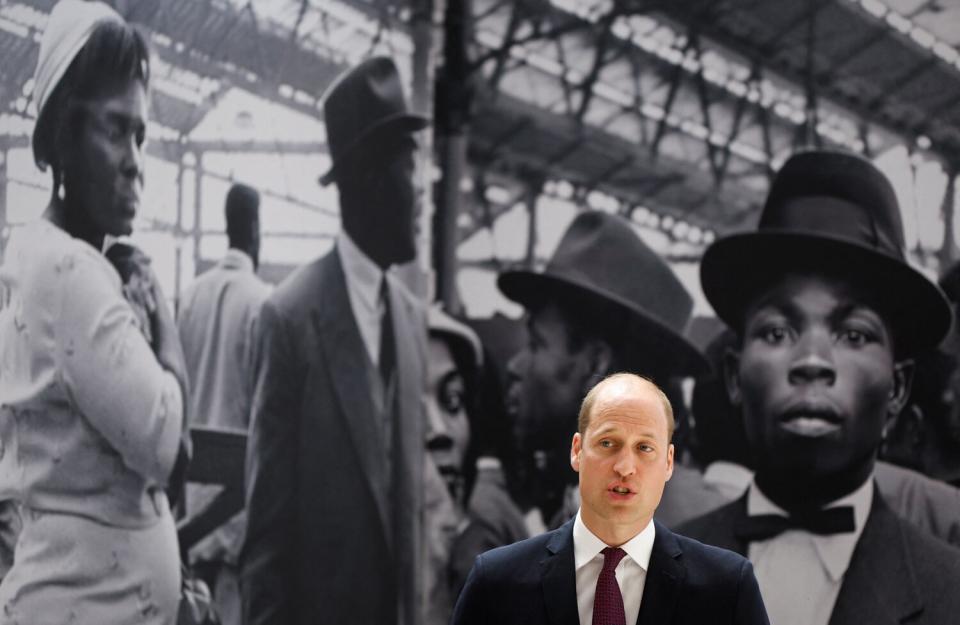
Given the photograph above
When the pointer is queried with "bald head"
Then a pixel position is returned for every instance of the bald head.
(618, 386)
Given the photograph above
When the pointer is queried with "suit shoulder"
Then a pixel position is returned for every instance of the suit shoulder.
(710, 557)
(935, 562)
(301, 288)
(706, 524)
(508, 557)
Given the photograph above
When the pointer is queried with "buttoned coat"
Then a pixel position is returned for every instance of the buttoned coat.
(320, 545)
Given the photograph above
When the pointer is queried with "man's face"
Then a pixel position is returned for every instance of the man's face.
(387, 201)
(624, 458)
(550, 380)
(104, 171)
(816, 378)
(448, 427)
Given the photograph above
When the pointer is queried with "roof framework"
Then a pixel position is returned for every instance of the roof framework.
(673, 113)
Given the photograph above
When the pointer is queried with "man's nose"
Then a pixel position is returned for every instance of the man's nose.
(813, 359)
(132, 164)
(626, 464)
(517, 365)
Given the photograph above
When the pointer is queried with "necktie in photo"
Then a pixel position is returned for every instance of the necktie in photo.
(387, 347)
(822, 522)
(608, 602)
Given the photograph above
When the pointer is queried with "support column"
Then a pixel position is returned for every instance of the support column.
(424, 62)
(453, 99)
(948, 210)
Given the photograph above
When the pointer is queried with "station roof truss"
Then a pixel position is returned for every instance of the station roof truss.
(677, 108)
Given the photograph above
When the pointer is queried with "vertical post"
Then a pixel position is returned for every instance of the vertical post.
(948, 210)
(4, 157)
(177, 237)
(197, 208)
(533, 189)
(451, 129)
(422, 22)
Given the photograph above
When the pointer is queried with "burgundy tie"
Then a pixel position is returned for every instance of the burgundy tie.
(608, 602)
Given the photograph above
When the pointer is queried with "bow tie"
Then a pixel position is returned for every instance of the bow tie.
(764, 526)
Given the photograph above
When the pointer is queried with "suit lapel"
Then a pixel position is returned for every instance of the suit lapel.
(665, 576)
(343, 350)
(410, 335)
(559, 578)
(879, 586)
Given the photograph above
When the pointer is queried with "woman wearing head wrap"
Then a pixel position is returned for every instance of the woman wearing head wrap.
(91, 413)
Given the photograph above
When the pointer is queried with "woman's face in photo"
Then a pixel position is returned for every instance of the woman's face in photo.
(104, 171)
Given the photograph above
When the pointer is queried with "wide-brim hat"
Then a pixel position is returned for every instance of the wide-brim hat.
(363, 105)
(835, 214)
(601, 259)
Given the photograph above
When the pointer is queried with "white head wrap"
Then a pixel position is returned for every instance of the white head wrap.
(69, 27)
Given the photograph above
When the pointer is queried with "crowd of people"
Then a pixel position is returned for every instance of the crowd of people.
(390, 443)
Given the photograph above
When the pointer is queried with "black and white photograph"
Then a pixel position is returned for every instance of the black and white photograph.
(458, 312)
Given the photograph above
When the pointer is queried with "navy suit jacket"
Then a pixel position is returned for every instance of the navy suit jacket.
(898, 574)
(534, 581)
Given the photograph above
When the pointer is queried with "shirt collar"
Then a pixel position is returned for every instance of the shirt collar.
(238, 260)
(363, 275)
(586, 545)
(834, 550)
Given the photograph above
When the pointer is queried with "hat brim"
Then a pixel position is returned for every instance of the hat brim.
(736, 269)
(398, 122)
(674, 354)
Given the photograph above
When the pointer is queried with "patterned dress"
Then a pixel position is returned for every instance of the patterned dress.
(90, 425)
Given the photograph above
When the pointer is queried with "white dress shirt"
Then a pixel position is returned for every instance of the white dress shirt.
(631, 572)
(364, 278)
(799, 572)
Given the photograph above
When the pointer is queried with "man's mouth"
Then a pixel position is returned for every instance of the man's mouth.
(811, 422)
(620, 492)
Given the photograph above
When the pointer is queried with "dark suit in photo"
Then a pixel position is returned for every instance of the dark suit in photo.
(333, 534)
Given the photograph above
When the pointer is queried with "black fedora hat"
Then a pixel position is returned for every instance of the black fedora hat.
(363, 104)
(832, 213)
(601, 259)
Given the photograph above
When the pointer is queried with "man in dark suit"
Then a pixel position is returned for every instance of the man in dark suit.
(828, 314)
(335, 454)
(613, 564)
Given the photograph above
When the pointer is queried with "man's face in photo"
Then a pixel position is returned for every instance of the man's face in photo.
(816, 378)
(550, 374)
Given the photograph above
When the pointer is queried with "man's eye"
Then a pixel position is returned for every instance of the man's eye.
(646, 448)
(854, 337)
(606, 443)
(773, 334)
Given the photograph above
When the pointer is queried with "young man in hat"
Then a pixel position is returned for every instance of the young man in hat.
(605, 302)
(828, 314)
(613, 564)
(335, 456)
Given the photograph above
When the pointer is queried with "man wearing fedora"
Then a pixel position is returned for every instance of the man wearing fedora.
(828, 315)
(606, 302)
(336, 448)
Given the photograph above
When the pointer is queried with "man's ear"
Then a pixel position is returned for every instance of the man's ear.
(902, 383)
(731, 375)
(599, 360)
(670, 450)
(576, 446)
